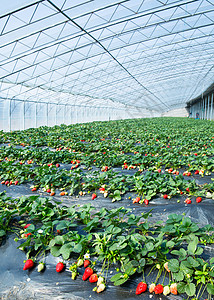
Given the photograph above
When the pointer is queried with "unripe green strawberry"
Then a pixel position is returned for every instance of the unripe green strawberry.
(80, 262)
(40, 267)
(73, 275)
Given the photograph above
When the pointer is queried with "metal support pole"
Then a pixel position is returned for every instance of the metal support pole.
(36, 112)
(9, 119)
(211, 110)
(208, 107)
(56, 114)
(23, 115)
(47, 115)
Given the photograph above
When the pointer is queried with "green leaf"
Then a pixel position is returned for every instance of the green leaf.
(194, 263)
(190, 289)
(170, 244)
(116, 277)
(210, 288)
(2, 233)
(55, 251)
(192, 246)
(65, 250)
(199, 251)
(179, 276)
(181, 287)
(149, 246)
(173, 265)
(77, 248)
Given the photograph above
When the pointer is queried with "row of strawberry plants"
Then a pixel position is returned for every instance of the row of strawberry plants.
(115, 238)
(148, 143)
(147, 185)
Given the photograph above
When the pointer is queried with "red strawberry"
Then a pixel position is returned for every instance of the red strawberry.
(16, 182)
(48, 190)
(102, 189)
(26, 226)
(158, 289)
(86, 263)
(3, 182)
(159, 170)
(187, 189)
(198, 199)
(137, 199)
(165, 196)
(28, 264)
(188, 201)
(60, 267)
(93, 196)
(181, 192)
(141, 288)
(27, 234)
(88, 272)
(146, 201)
(195, 154)
(57, 165)
(196, 172)
(52, 194)
(34, 189)
(6, 182)
(93, 278)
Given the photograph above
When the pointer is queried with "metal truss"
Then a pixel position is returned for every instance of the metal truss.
(149, 54)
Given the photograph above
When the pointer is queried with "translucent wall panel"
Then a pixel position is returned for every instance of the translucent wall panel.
(19, 115)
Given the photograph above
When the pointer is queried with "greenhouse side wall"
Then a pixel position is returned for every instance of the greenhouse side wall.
(202, 107)
(19, 115)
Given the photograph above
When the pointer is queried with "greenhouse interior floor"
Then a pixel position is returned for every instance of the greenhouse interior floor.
(48, 284)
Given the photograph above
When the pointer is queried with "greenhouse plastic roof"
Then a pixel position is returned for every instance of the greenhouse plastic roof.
(154, 54)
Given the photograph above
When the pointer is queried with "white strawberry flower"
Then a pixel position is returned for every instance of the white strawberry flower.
(87, 256)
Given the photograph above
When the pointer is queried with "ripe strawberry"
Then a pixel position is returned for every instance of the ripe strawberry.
(158, 289)
(195, 154)
(181, 192)
(141, 288)
(196, 172)
(187, 189)
(146, 201)
(189, 174)
(28, 264)
(86, 263)
(57, 165)
(34, 189)
(198, 199)
(188, 201)
(159, 170)
(165, 196)
(16, 182)
(93, 278)
(26, 226)
(173, 288)
(93, 196)
(88, 272)
(6, 182)
(60, 267)
(48, 190)
(52, 193)
(62, 193)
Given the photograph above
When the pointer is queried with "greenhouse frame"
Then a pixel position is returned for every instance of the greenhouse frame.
(106, 149)
(66, 61)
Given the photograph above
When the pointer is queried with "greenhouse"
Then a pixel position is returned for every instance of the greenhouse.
(107, 149)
